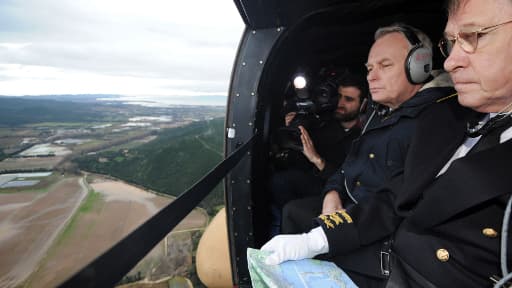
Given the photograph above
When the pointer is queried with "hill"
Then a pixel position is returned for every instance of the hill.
(171, 163)
(19, 111)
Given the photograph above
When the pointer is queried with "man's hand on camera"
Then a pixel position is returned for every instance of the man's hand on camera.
(296, 246)
(308, 149)
(332, 203)
(288, 118)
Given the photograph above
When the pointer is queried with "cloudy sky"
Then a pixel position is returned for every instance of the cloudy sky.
(128, 47)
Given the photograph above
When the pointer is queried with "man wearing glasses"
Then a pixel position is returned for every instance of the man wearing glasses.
(456, 236)
(452, 204)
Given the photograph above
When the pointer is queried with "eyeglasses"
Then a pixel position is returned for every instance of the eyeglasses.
(468, 41)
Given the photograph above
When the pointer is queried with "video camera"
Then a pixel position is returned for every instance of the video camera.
(313, 106)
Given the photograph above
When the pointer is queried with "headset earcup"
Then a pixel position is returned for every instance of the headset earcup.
(418, 64)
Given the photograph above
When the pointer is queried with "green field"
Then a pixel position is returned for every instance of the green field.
(90, 203)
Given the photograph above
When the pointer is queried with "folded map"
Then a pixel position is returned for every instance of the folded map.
(300, 273)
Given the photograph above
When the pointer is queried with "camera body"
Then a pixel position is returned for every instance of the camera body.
(313, 107)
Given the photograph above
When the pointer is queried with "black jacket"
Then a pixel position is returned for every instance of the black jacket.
(456, 212)
(379, 153)
(331, 142)
(356, 247)
(460, 212)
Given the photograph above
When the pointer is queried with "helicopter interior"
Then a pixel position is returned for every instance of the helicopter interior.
(311, 37)
(328, 38)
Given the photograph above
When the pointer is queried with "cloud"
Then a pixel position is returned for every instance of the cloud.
(119, 45)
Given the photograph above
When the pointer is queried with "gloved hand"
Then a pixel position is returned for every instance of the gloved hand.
(296, 246)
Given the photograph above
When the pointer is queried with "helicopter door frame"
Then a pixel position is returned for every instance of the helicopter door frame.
(244, 118)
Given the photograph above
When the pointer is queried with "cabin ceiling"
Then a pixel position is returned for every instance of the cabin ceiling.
(339, 32)
(320, 34)
(261, 14)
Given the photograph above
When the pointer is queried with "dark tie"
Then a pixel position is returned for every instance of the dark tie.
(491, 132)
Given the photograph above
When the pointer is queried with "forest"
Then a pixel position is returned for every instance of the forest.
(170, 164)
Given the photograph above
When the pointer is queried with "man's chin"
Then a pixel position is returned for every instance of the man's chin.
(468, 99)
(346, 117)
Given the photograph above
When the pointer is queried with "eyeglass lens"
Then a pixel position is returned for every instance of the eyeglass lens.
(467, 41)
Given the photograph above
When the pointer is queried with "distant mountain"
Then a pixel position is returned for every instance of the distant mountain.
(21, 110)
(168, 101)
(15, 111)
(153, 101)
(87, 98)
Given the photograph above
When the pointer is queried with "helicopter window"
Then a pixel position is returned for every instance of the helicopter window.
(123, 109)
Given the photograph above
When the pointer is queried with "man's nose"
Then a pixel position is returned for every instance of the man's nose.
(457, 58)
(372, 75)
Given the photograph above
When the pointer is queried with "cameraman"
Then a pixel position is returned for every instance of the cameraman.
(322, 149)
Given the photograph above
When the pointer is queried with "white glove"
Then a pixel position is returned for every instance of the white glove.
(296, 246)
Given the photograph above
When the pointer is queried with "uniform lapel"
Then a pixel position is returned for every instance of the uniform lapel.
(440, 132)
(468, 182)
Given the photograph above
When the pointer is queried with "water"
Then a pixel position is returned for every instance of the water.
(20, 183)
(168, 101)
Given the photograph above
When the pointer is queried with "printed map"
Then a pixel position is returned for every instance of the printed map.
(301, 273)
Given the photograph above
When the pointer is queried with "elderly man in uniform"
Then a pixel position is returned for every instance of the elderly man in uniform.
(454, 235)
(452, 205)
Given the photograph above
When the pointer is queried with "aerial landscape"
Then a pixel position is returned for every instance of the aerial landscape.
(78, 175)
(109, 110)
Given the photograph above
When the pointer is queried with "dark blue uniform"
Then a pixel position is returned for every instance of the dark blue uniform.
(379, 153)
(452, 237)
(446, 228)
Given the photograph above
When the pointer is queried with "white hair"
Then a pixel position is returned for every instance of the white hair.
(401, 28)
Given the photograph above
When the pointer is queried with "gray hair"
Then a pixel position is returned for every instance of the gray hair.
(424, 39)
(453, 5)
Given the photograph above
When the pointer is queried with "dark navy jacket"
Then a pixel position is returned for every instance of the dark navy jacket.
(378, 156)
(380, 152)
(446, 228)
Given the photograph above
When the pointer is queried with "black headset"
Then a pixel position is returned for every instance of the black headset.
(418, 63)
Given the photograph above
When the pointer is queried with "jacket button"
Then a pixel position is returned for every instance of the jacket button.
(442, 255)
(371, 155)
(489, 232)
(358, 183)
